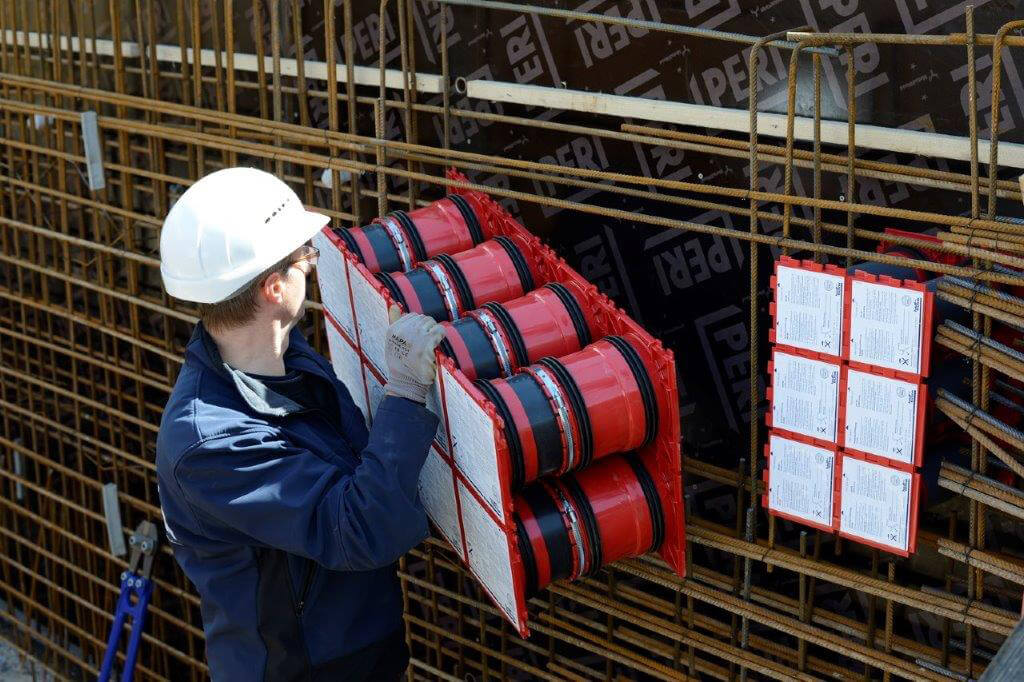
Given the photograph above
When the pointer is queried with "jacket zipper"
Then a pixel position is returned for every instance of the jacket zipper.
(311, 566)
(307, 584)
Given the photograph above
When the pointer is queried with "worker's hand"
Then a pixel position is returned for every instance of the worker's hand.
(411, 341)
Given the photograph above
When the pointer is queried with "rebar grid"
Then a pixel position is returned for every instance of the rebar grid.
(90, 346)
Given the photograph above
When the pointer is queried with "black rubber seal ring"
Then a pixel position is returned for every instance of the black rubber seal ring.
(389, 283)
(579, 408)
(572, 307)
(529, 561)
(522, 269)
(350, 243)
(430, 297)
(469, 215)
(514, 337)
(543, 423)
(481, 352)
(388, 259)
(653, 500)
(552, 529)
(458, 279)
(515, 447)
(643, 380)
(572, 487)
(448, 351)
(418, 248)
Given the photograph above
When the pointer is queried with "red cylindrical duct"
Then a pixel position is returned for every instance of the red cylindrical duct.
(572, 526)
(561, 414)
(445, 287)
(399, 240)
(499, 338)
(496, 270)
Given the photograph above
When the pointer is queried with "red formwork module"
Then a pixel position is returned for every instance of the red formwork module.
(830, 274)
(662, 457)
(897, 477)
(827, 522)
(917, 398)
(913, 293)
(466, 485)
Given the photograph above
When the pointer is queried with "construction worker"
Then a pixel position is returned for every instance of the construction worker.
(284, 511)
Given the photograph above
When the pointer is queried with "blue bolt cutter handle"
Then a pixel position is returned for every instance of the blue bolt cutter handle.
(136, 590)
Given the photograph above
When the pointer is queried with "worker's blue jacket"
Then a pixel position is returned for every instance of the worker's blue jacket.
(288, 526)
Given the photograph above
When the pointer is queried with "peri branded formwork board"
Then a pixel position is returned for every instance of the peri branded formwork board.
(465, 485)
(856, 409)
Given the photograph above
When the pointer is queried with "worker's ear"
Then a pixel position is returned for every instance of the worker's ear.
(272, 290)
(394, 312)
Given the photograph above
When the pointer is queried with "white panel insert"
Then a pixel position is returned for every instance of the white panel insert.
(433, 404)
(473, 442)
(371, 311)
(875, 503)
(801, 479)
(332, 276)
(437, 492)
(885, 326)
(881, 415)
(347, 366)
(489, 557)
(805, 396)
(809, 310)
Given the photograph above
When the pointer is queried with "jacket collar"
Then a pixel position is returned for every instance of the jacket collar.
(254, 392)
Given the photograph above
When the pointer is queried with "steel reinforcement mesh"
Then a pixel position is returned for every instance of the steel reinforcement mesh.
(678, 224)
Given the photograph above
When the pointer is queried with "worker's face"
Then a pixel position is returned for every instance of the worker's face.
(288, 288)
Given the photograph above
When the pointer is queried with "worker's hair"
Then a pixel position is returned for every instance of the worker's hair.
(242, 307)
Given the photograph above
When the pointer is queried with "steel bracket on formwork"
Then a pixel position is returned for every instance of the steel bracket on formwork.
(93, 151)
(112, 514)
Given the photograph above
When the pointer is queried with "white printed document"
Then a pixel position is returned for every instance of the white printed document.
(809, 310)
(885, 326)
(875, 503)
(800, 479)
(881, 415)
(805, 396)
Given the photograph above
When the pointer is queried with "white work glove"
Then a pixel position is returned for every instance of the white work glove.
(409, 354)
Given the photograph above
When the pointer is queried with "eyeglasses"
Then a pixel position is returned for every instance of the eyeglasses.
(307, 253)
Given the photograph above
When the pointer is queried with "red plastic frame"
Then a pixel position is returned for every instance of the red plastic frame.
(662, 457)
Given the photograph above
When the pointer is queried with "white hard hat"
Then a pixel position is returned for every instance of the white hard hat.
(226, 229)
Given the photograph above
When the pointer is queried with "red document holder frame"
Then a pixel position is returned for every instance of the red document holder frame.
(914, 502)
(920, 412)
(466, 484)
(771, 395)
(766, 477)
(810, 266)
(924, 339)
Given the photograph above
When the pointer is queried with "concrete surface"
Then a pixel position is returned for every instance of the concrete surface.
(16, 667)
